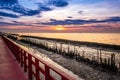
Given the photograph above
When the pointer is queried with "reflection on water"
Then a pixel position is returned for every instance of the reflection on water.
(107, 38)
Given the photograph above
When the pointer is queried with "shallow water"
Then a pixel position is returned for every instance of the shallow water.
(107, 38)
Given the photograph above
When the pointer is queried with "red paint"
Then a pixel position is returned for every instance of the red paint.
(9, 68)
(23, 56)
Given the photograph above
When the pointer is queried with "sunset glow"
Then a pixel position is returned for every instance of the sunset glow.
(59, 28)
(60, 15)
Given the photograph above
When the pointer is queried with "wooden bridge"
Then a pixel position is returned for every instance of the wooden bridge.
(13, 56)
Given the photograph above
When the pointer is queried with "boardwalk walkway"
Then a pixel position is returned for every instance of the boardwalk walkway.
(9, 68)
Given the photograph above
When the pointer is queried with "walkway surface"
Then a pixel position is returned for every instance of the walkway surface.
(9, 67)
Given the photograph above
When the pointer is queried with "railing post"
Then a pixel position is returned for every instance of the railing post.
(25, 65)
(63, 78)
(47, 73)
(30, 67)
(37, 68)
(19, 55)
(22, 57)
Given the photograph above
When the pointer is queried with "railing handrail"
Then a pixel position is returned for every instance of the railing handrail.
(25, 58)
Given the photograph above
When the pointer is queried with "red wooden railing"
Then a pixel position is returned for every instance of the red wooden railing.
(36, 67)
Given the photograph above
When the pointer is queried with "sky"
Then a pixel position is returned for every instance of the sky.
(60, 15)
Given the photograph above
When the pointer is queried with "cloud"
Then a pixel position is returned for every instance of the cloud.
(113, 19)
(58, 3)
(69, 17)
(1, 18)
(52, 19)
(80, 12)
(100, 26)
(75, 22)
(68, 22)
(8, 2)
(14, 23)
(80, 21)
(43, 7)
(14, 6)
(4, 24)
(8, 15)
